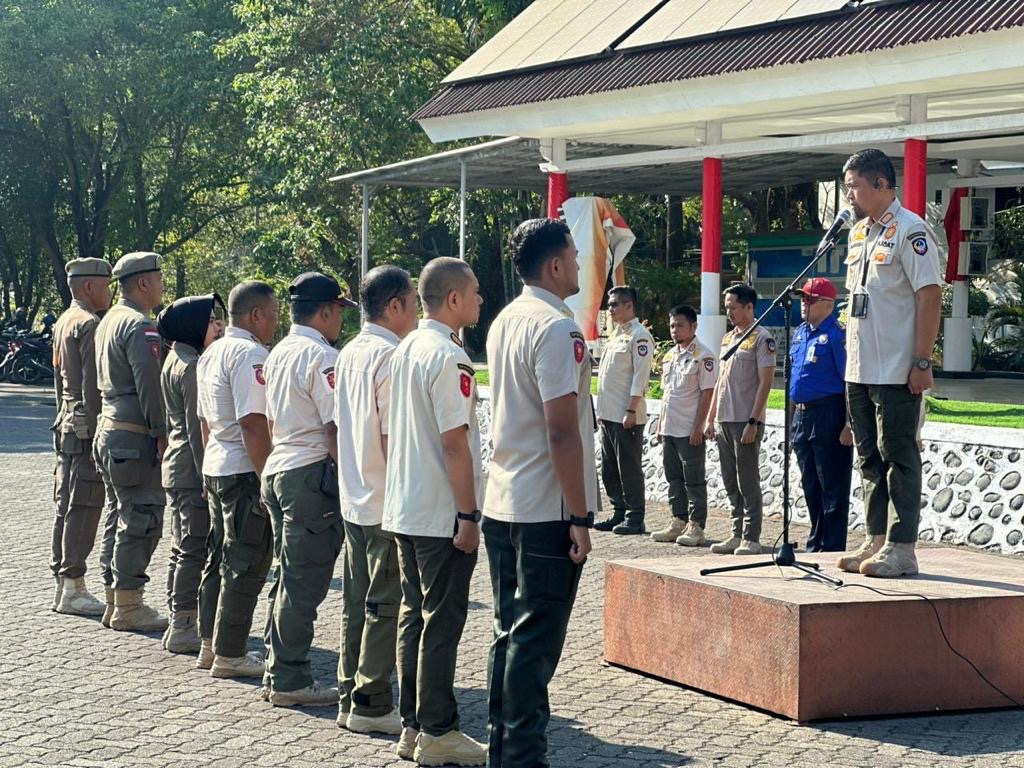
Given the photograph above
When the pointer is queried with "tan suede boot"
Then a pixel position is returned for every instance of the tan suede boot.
(76, 600)
(182, 634)
(108, 594)
(131, 614)
(892, 561)
(851, 561)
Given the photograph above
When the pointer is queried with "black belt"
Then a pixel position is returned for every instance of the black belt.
(821, 402)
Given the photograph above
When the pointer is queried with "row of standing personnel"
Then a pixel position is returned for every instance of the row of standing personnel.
(295, 455)
(871, 396)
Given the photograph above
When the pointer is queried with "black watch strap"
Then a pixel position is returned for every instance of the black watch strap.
(473, 516)
(582, 522)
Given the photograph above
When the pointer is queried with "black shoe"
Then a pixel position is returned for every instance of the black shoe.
(609, 523)
(629, 528)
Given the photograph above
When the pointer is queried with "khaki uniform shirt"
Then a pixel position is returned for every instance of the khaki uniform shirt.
(900, 255)
(624, 372)
(536, 354)
(231, 385)
(685, 375)
(128, 368)
(433, 391)
(182, 466)
(362, 396)
(738, 380)
(300, 398)
(74, 366)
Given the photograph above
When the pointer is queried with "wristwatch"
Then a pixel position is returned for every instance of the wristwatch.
(473, 517)
(752, 422)
(582, 522)
(922, 363)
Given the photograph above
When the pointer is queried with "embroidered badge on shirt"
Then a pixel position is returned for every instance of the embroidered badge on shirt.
(579, 349)
(154, 342)
(455, 338)
(257, 372)
(890, 231)
(709, 364)
(885, 219)
(465, 384)
(771, 345)
(920, 246)
(329, 375)
(642, 349)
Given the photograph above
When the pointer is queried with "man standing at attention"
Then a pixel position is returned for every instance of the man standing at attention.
(300, 484)
(541, 488)
(430, 503)
(822, 440)
(622, 412)
(233, 410)
(895, 305)
(737, 418)
(78, 488)
(688, 377)
(131, 437)
(372, 591)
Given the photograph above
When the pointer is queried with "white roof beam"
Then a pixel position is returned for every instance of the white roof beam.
(966, 127)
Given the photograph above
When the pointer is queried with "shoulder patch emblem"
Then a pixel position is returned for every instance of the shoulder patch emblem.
(465, 384)
(329, 375)
(257, 372)
(153, 338)
(577, 335)
(770, 343)
(920, 246)
(467, 368)
(579, 350)
(709, 364)
(642, 348)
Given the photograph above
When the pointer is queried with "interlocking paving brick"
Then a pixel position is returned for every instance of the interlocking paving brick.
(74, 694)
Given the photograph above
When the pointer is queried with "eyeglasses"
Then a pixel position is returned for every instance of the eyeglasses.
(813, 299)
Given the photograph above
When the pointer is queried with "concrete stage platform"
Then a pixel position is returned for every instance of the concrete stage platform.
(806, 651)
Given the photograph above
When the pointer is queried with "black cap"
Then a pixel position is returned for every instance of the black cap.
(315, 286)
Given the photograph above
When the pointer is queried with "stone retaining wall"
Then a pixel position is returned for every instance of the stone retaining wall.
(973, 491)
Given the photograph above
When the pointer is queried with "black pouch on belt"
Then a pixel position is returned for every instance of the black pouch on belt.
(329, 479)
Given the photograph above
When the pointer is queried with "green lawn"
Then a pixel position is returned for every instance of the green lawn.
(951, 411)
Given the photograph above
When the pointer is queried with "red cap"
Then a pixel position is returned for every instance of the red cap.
(819, 288)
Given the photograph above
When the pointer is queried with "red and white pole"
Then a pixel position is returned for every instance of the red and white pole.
(558, 192)
(915, 175)
(711, 326)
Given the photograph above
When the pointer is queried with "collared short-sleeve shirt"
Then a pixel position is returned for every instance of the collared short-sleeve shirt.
(624, 372)
(362, 395)
(231, 384)
(300, 398)
(685, 375)
(535, 353)
(739, 377)
(893, 258)
(433, 391)
(818, 359)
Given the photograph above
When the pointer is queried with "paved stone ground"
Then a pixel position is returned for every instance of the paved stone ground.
(74, 694)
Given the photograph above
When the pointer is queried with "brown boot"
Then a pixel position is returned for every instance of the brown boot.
(108, 593)
(851, 561)
(131, 614)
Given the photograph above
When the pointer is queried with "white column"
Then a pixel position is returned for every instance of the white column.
(364, 233)
(462, 210)
(711, 323)
(957, 331)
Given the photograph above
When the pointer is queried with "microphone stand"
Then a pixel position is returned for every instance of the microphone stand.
(785, 555)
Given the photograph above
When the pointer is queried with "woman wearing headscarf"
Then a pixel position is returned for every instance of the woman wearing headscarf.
(188, 326)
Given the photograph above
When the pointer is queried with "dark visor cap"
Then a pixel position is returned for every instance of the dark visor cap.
(315, 286)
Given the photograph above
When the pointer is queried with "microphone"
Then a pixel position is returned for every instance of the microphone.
(842, 221)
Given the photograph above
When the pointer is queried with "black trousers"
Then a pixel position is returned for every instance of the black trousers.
(534, 584)
(826, 467)
(622, 468)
